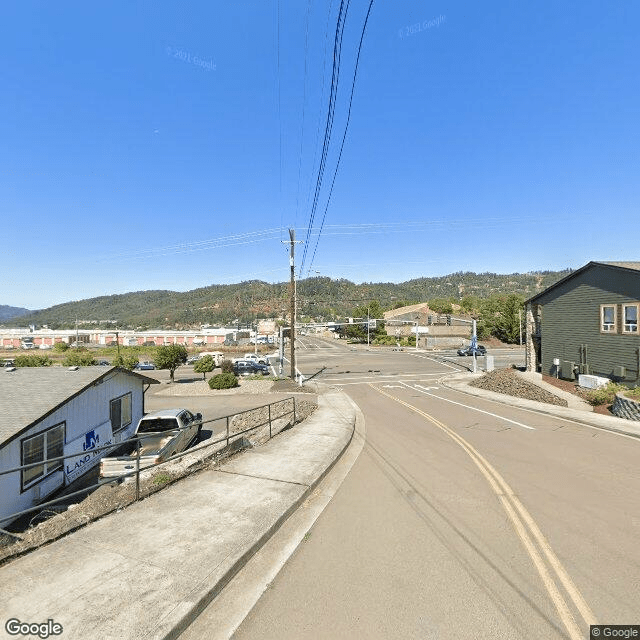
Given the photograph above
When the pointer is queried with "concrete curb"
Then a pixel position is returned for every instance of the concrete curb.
(460, 382)
(172, 629)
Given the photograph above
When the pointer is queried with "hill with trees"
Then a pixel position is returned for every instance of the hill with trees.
(319, 298)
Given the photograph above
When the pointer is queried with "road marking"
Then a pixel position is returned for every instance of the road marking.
(542, 413)
(466, 406)
(521, 519)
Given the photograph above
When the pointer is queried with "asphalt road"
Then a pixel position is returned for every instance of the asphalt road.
(461, 518)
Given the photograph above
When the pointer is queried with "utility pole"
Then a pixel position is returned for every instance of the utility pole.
(292, 238)
(292, 245)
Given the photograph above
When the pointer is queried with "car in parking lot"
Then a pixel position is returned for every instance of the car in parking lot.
(470, 351)
(249, 367)
(145, 366)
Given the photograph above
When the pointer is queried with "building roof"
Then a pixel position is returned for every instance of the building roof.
(628, 266)
(28, 394)
(422, 307)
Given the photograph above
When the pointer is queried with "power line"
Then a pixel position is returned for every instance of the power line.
(304, 104)
(335, 77)
(346, 128)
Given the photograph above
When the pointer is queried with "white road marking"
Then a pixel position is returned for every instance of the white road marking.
(467, 406)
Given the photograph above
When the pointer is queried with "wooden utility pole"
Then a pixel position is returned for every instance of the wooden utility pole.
(292, 241)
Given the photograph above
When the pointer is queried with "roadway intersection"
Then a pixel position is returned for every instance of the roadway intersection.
(460, 517)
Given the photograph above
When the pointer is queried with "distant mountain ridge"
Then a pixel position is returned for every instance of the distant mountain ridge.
(246, 301)
(7, 312)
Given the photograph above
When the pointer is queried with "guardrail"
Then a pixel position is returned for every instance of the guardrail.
(228, 438)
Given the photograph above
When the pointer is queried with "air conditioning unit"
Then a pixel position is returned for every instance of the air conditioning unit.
(619, 372)
(567, 370)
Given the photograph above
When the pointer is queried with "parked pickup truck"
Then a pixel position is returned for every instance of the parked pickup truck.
(165, 433)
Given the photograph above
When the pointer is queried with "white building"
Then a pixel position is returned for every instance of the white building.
(48, 412)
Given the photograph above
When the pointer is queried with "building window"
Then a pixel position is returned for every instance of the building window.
(608, 318)
(120, 412)
(630, 318)
(41, 448)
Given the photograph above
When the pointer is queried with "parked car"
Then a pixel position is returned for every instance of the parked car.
(249, 367)
(470, 351)
(166, 432)
(145, 366)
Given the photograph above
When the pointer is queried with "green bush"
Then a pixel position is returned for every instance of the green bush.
(60, 346)
(32, 361)
(223, 381)
(127, 361)
(79, 358)
(633, 393)
(605, 395)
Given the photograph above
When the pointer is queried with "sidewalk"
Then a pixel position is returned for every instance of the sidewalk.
(148, 571)
(577, 411)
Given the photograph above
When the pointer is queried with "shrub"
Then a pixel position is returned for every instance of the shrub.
(78, 358)
(634, 393)
(605, 395)
(227, 366)
(223, 381)
(32, 361)
(60, 346)
(126, 362)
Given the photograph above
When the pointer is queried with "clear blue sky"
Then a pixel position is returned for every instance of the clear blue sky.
(143, 145)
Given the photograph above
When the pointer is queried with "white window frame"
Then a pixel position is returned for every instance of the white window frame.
(46, 468)
(630, 328)
(125, 411)
(609, 327)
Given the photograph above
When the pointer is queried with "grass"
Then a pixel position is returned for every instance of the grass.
(161, 478)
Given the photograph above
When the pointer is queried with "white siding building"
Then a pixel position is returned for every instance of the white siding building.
(48, 412)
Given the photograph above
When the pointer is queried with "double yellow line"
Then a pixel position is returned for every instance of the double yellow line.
(530, 535)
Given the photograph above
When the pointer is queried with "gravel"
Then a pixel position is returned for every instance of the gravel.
(508, 382)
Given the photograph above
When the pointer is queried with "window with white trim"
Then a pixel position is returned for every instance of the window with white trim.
(630, 318)
(41, 448)
(608, 318)
(120, 412)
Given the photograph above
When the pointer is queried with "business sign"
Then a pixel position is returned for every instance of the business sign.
(420, 329)
(84, 447)
(266, 327)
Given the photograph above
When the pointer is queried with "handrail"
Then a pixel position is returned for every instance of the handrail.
(136, 440)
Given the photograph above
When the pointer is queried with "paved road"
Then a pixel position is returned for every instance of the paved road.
(461, 518)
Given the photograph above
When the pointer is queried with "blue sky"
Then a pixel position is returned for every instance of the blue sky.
(149, 145)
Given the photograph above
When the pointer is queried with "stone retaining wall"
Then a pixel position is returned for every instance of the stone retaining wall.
(625, 408)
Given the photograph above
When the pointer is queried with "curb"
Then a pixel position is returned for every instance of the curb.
(171, 630)
(605, 423)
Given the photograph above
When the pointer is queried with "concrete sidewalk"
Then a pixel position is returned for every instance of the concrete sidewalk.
(577, 411)
(148, 571)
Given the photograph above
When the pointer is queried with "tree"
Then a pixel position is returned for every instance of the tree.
(170, 357)
(126, 362)
(204, 366)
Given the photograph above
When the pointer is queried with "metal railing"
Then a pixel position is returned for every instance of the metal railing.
(136, 440)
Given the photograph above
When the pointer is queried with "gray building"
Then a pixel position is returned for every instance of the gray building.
(48, 412)
(588, 323)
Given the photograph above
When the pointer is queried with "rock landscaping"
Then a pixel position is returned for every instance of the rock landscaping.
(508, 382)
